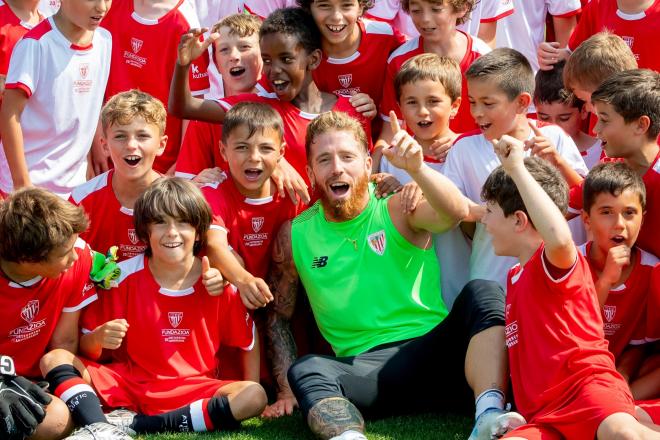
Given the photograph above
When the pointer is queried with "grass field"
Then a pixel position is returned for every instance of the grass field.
(422, 427)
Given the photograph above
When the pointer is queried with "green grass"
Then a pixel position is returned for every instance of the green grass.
(421, 427)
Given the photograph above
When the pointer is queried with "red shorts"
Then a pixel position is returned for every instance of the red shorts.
(116, 389)
(598, 397)
(652, 408)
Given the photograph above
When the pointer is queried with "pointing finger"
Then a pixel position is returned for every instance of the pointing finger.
(394, 122)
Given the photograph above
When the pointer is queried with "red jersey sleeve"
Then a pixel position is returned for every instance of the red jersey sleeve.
(215, 201)
(238, 327)
(586, 26)
(199, 78)
(389, 102)
(653, 307)
(575, 199)
(82, 291)
(197, 150)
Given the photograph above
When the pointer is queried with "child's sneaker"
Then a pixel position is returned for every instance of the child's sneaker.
(99, 431)
(494, 423)
(122, 419)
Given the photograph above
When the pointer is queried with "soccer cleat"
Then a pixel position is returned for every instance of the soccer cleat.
(122, 419)
(494, 423)
(99, 431)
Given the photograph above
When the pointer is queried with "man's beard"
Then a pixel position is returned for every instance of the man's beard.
(346, 209)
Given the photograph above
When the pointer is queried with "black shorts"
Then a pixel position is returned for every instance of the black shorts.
(426, 373)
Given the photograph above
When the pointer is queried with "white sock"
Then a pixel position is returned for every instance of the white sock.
(490, 398)
(350, 435)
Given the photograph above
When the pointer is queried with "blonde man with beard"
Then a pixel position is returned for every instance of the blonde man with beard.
(372, 279)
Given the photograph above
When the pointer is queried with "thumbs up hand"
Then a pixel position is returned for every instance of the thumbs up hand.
(212, 278)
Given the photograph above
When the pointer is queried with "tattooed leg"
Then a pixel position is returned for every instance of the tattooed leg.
(332, 416)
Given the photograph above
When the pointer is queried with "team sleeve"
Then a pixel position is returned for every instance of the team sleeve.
(198, 75)
(494, 10)
(195, 154)
(388, 102)
(238, 327)
(585, 27)
(82, 290)
(564, 8)
(24, 67)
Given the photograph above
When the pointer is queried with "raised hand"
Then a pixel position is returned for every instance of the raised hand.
(439, 149)
(288, 181)
(192, 47)
(510, 151)
(541, 146)
(212, 278)
(618, 257)
(404, 152)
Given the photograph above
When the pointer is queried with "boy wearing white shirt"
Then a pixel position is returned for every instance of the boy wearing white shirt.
(500, 87)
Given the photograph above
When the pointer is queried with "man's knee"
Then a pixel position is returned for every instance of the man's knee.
(482, 304)
(57, 424)
(307, 367)
(313, 378)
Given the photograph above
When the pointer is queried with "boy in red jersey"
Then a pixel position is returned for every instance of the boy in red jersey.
(167, 368)
(436, 21)
(628, 108)
(564, 380)
(44, 284)
(290, 47)
(134, 136)
(145, 36)
(355, 50)
(246, 207)
(16, 18)
(237, 58)
(615, 200)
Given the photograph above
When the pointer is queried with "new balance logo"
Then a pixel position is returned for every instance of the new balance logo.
(319, 262)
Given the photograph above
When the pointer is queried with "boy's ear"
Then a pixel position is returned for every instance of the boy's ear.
(314, 59)
(522, 221)
(523, 100)
(642, 124)
(104, 144)
(586, 220)
(454, 108)
(310, 174)
(222, 150)
(282, 150)
(163, 144)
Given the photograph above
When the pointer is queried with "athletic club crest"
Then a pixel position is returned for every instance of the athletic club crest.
(377, 242)
(136, 45)
(629, 41)
(345, 80)
(257, 223)
(30, 310)
(175, 318)
(132, 236)
(84, 70)
(609, 312)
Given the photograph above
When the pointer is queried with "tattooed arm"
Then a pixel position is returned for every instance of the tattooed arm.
(280, 346)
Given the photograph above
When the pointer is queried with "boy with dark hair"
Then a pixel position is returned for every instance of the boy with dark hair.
(555, 105)
(291, 49)
(593, 61)
(56, 80)
(44, 284)
(564, 380)
(500, 87)
(628, 108)
(168, 364)
(614, 203)
(355, 50)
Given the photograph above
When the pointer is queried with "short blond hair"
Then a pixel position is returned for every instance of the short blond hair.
(595, 59)
(335, 121)
(124, 107)
(242, 25)
(429, 66)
